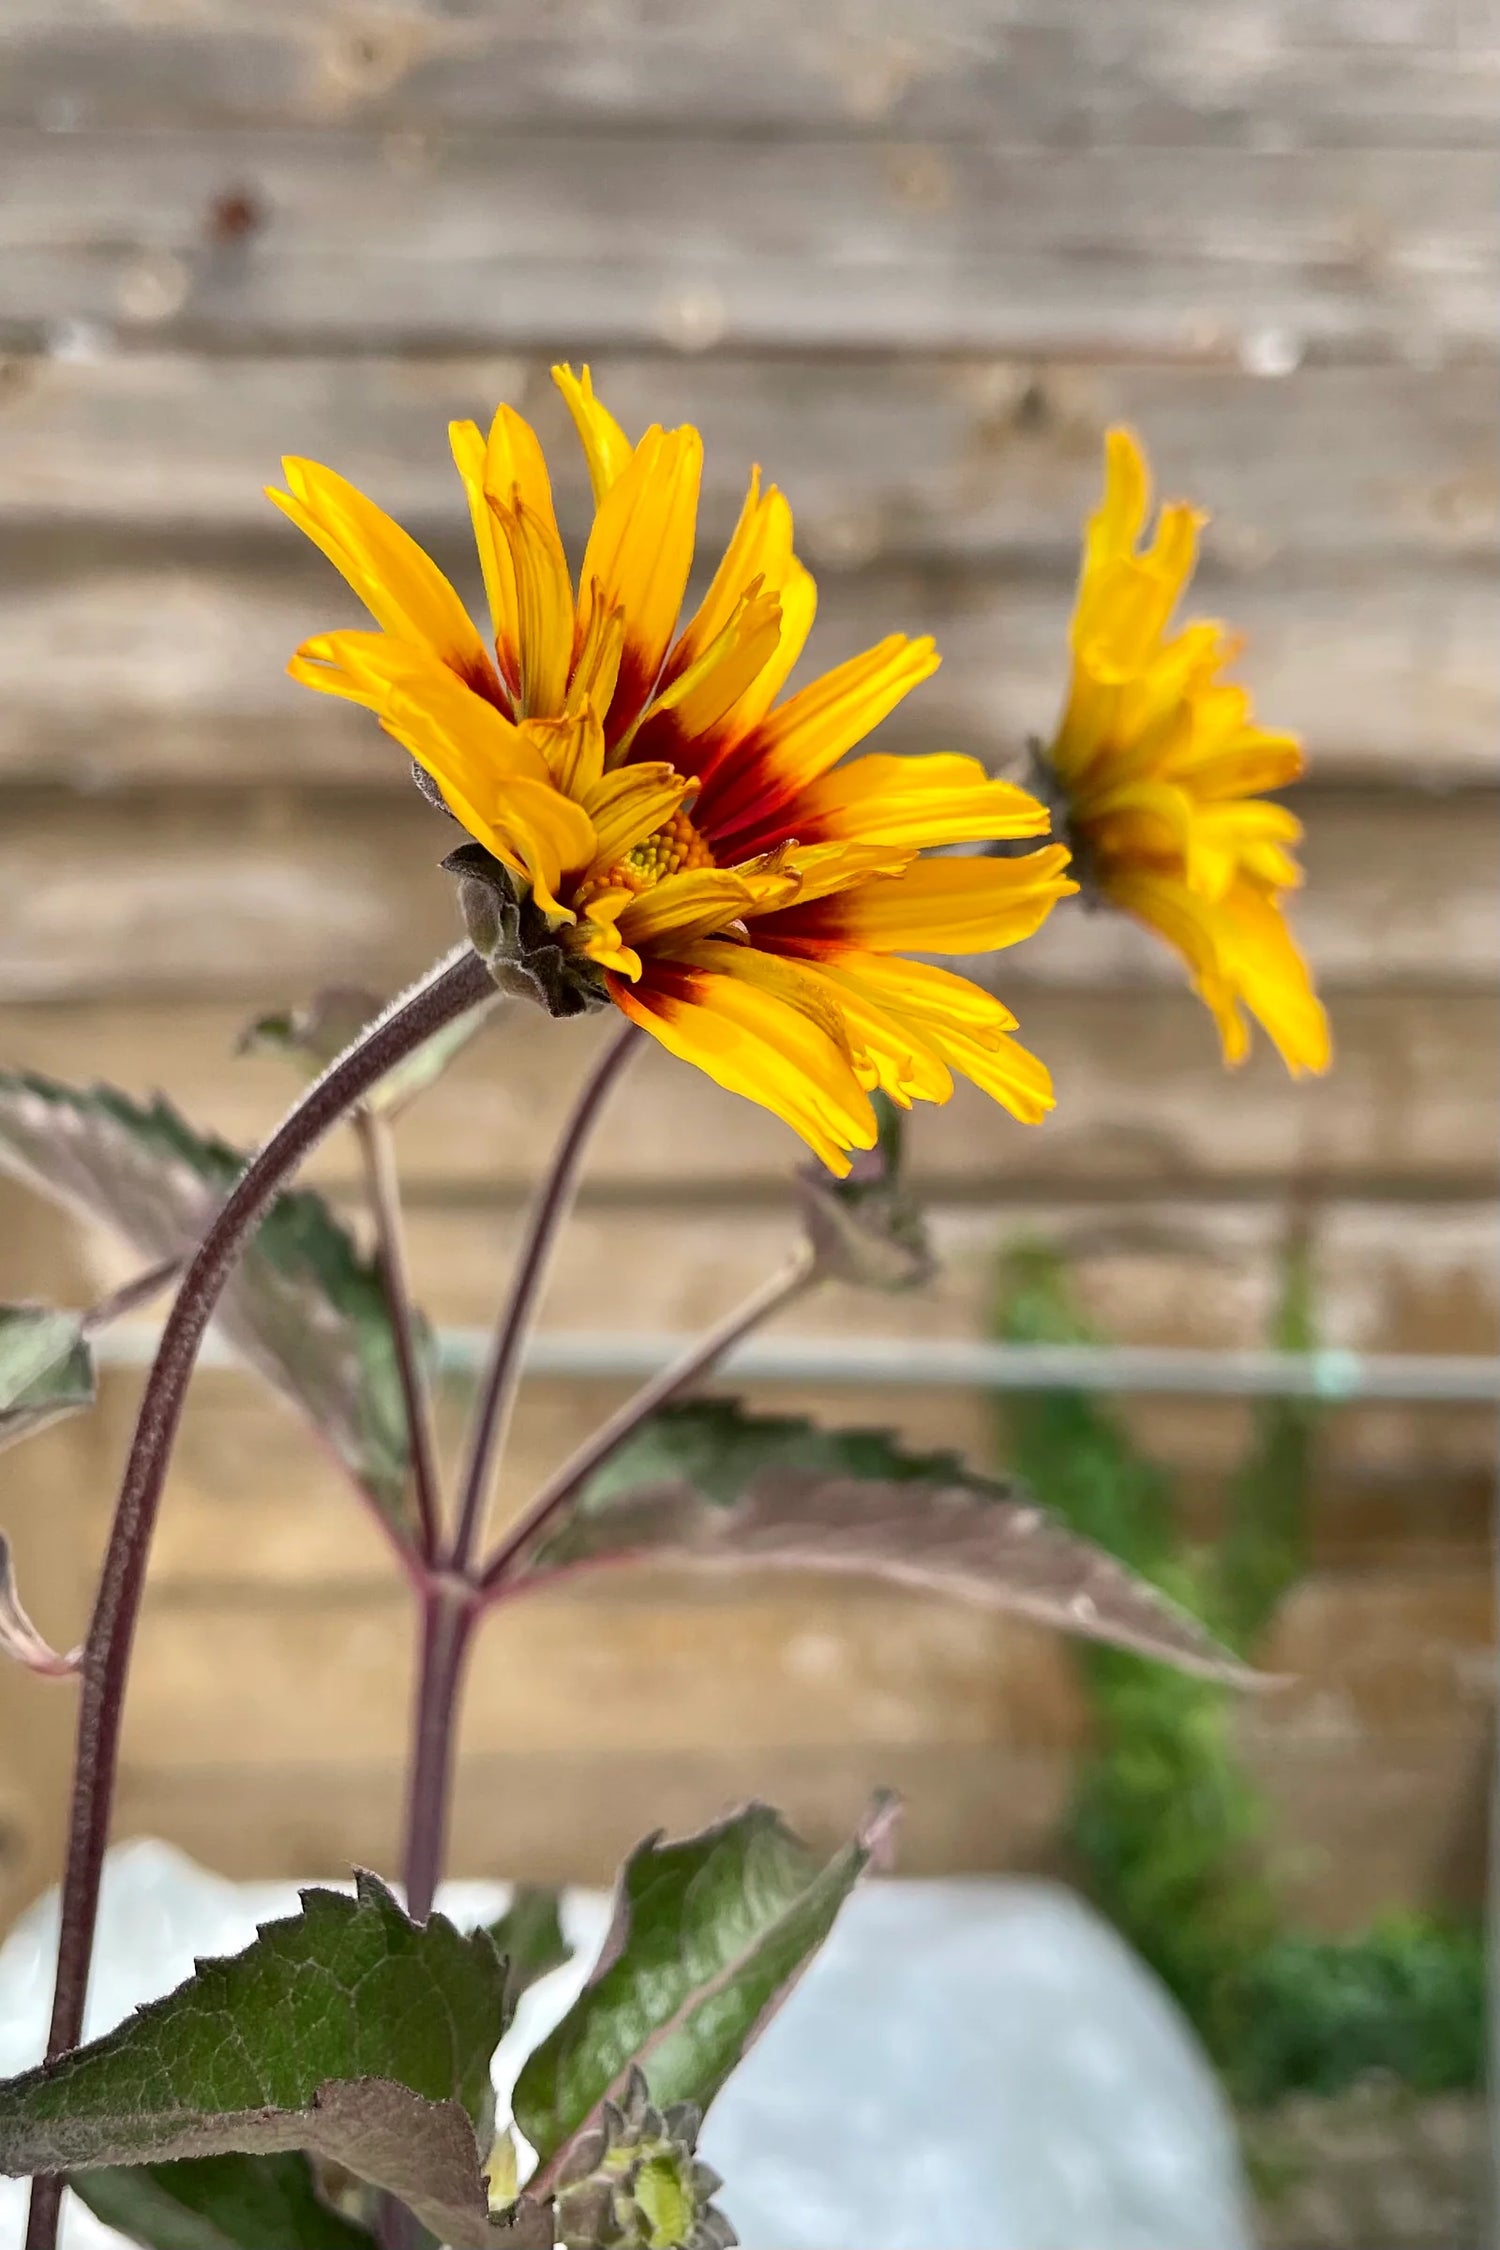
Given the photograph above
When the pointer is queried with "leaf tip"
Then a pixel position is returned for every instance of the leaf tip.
(877, 1832)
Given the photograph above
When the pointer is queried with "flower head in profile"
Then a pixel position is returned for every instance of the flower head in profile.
(1158, 770)
(688, 841)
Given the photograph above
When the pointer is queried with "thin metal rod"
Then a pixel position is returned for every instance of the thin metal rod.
(384, 1186)
(696, 1361)
(452, 988)
(570, 1355)
(877, 1363)
(502, 1374)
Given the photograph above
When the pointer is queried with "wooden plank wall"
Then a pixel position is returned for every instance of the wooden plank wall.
(914, 260)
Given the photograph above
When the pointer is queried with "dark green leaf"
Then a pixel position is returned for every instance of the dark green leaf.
(334, 1018)
(219, 2203)
(868, 1228)
(347, 2030)
(709, 1484)
(529, 1939)
(46, 1369)
(303, 1307)
(708, 1938)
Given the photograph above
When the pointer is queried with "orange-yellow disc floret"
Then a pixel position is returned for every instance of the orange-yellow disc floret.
(672, 850)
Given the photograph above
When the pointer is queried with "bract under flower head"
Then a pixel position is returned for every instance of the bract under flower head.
(1158, 767)
(686, 840)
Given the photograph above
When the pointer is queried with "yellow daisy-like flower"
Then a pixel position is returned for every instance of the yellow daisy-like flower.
(1158, 767)
(695, 847)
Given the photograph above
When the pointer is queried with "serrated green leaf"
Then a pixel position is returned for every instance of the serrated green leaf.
(708, 1937)
(868, 1228)
(348, 2031)
(529, 1939)
(46, 1369)
(708, 1484)
(333, 1018)
(303, 1307)
(219, 2203)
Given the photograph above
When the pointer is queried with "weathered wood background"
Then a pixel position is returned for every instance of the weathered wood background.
(912, 259)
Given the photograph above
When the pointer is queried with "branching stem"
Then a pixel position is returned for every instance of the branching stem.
(509, 1558)
(456, 985)
(384, 1188)
(502, 1375)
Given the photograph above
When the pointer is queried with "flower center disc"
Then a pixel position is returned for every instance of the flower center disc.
(672, 848)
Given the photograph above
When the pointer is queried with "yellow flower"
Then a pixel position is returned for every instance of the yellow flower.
(695, 845)
(1158, 765)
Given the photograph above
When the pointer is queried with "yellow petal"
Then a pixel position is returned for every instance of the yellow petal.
(606, 448)
(939, 799)
(544, 608)
(1249, 836)
(1251, 761)
(953, 905)
(1238, 949)
(920, 990)
(399, 584)
(821, 869)
(899, 1059)
(788, 981)
(696, 700)
(759, 549)
(798, 597)
(1005, 1070)
(630, 804)
(1275, 981)
(507, 464)
(752, 1043)
(495, 782)
(811, 732)
(573, 749)
(638, 558)
(347, 664)
(597, 935)
(597, 666)
(1120, 517)
(692, 904)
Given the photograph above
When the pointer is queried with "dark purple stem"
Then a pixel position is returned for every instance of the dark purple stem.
(379, 1155)
(447, 1624)
(509, 1559)
(502, 1375)
(452, 988)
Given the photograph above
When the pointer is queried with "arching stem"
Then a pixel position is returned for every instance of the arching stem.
(456, 985)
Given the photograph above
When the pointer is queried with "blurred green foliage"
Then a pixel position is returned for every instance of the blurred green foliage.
(1166, 1822)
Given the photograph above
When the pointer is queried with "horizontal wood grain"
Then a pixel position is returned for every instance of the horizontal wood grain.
(1360, 1821)
(259, 1519)
(551, 1820)
(980, 460)
(139, 661)
(1366, 1658)
(1323, 71)
(1386, 1278)
(263, 894)
(484, 240)
(1144, 1103)
(914, 261)
(865, 1665)
(1353, 1835)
